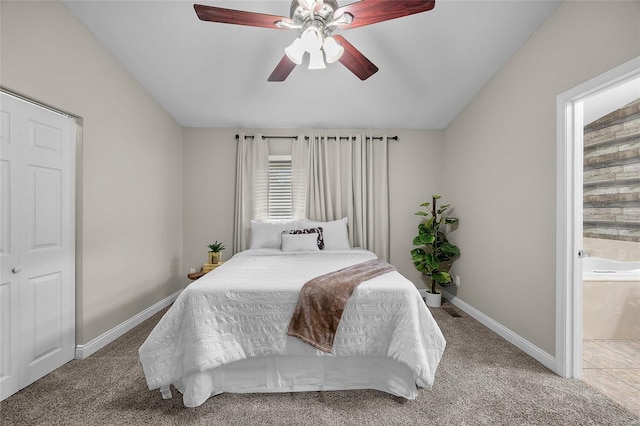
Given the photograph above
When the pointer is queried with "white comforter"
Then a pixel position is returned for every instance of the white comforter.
(242, 310)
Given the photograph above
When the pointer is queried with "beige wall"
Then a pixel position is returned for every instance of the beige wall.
(209, 179)
(415, 170)
(500, 164)
(131, 212)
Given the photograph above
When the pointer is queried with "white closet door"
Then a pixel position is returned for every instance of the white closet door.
(42, 253)
(9, 248)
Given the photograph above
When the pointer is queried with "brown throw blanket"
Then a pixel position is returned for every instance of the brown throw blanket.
(323, 299)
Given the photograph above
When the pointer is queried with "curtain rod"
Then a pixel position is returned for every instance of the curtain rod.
(395, 138)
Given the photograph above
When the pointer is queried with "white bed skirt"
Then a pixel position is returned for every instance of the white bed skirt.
(299, 374)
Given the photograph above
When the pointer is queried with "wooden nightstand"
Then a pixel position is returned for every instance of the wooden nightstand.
(195, 275)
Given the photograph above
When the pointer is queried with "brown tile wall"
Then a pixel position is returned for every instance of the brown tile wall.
(612, 175)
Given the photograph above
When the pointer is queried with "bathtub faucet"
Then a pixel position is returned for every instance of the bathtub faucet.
(583, 253)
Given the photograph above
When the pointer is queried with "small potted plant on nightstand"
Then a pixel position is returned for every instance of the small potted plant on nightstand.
(434, 254)
(215, 250)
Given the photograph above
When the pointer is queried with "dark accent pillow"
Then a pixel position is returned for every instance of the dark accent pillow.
(317, 230)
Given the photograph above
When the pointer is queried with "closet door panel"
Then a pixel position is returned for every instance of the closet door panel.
(48, 281)
(10, 265)
(6, 209)
(45, 208)
(41, 303)
(9, 343)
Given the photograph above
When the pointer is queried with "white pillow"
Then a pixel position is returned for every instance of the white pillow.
(335, 234)
(300, 242)
(269, 234)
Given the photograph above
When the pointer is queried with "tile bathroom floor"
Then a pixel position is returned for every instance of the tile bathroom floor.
(613, 368)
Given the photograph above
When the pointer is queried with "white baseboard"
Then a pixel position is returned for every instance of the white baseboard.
(84, 351)
(527, 347)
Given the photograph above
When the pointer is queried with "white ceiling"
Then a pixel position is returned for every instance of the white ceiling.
(215, 75)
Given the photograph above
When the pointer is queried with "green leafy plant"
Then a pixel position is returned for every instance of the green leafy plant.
(216, 247)
(435, 254)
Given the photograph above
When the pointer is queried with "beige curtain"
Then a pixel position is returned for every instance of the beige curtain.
(252, 175)
(346, 175)
(300, 157)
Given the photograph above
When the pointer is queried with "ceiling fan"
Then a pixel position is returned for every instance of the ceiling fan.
(316, 20)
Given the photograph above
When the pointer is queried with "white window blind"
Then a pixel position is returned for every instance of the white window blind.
(280, 187)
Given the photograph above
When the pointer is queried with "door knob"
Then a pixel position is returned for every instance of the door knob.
(16, 269)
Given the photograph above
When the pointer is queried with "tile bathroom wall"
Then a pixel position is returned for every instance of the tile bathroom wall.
(612, 175)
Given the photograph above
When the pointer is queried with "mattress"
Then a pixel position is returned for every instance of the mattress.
(233, 322)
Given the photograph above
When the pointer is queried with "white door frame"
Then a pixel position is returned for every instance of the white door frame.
(569, 214)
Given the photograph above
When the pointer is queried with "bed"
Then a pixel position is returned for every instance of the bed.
(227, 332)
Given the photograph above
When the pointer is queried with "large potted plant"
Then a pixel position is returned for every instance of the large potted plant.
(434, 254)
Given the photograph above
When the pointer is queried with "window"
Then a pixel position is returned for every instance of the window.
(280, 188)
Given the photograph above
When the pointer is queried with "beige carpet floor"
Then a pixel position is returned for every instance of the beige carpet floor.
(482, 380)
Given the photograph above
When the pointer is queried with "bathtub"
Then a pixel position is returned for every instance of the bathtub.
(598, 269)
(610, 299)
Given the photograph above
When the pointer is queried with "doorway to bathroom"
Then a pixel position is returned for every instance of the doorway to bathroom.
(611, 243)
(597, 201)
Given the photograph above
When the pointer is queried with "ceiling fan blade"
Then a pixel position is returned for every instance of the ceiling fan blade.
(355, 61)
(238, 17)
(282, 70)
(367, 12)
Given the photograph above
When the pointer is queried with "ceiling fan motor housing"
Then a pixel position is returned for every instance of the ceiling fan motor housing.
(306, 18)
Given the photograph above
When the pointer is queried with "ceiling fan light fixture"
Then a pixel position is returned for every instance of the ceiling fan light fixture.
(311, 39)
(295, 51)
(316, 62)
(332, 50)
